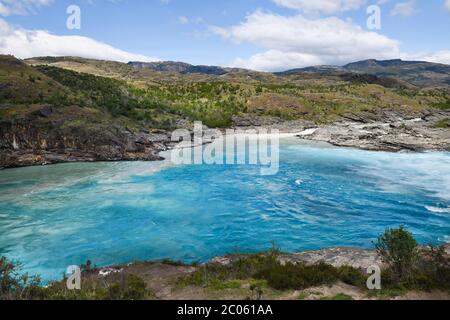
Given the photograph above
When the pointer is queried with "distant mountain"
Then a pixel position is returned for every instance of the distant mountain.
(418, 73)
(179, 67)
(373, 64)
(313, 69)
(388, 73)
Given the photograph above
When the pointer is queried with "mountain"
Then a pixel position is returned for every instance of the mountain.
(388, 73)
(313, 69)
(418, 73)
(179, 67)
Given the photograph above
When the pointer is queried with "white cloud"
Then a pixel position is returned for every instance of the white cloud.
(183, 20)
(321, 6)
(24, 43)
(438, 57)
(407, 8)
(274, 60)
(447, 4)
(297, 41)
(20, 7)
(186, 20)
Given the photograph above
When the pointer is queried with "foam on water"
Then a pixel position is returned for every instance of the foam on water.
(56, 216)
(438, 210)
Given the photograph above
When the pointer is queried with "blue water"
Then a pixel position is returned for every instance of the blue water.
(56, 216)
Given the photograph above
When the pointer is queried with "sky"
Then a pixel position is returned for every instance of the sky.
(265, 35)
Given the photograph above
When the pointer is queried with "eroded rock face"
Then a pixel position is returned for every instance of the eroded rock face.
(23, 144)
(337, 257)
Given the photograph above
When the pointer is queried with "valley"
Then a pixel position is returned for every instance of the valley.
(73, 109)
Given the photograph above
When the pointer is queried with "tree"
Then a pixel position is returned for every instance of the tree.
(398, 249)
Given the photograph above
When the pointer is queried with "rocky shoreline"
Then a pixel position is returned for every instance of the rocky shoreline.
(27, 144)
(416, 135)
(385, 131)
(24, 145)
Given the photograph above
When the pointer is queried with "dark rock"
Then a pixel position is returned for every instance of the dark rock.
(179, 67)
(46, 111)
(25, 144)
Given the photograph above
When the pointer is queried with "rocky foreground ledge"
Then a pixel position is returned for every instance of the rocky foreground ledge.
(164, 278)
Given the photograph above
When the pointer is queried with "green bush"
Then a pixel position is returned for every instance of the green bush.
(298, 276)
(398, 249)
(135, 288)
(411, 267)
(352, 276)
(13, 285)
(131, 287)
(17, 286)
(265, 267)
(443, 124)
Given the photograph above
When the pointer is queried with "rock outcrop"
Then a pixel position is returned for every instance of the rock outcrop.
(24, 144)
(391, 133)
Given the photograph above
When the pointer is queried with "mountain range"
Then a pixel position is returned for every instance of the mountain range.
(418, 73)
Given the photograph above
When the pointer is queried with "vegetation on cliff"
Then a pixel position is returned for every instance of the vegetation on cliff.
(157, 99)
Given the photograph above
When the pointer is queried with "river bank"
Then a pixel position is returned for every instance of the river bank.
(388, 131)
(166, 280)
(23, 145)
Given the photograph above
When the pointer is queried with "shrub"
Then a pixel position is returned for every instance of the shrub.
(398, 249)
(267, 269)
(134, 289)
(339, 296)
(433, 270)
(410, 267)
(352, 276)
(298, 276)
(14, 285)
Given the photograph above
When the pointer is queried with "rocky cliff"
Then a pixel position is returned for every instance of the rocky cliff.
(34, 142)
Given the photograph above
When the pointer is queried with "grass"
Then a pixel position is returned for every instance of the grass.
(302, 296)
(339, 297)
(266, 269)
(443, 124)
(387, 293)
(226, 285)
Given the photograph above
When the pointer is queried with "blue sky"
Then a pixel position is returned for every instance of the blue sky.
(258, 34)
